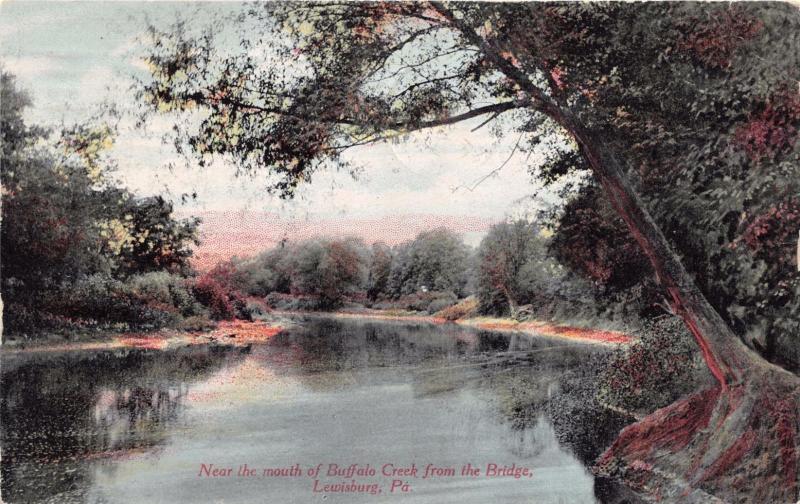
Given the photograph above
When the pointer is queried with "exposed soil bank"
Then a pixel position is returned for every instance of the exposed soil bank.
(230, 333)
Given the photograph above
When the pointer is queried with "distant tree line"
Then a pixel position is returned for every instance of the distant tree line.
(81, 252)
(510, 273)
(330, 271)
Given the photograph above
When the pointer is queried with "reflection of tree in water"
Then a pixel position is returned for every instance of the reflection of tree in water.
(60, 412)
(335, 345)
(560, 386)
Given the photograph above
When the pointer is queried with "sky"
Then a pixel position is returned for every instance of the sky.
(74, 56)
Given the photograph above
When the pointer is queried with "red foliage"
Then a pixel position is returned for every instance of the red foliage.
(557, 74)
(217, 290)
(769, 234)
(713, 40)
(772, 130)
(215, 297)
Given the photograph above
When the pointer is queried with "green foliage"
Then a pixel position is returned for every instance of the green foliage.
(380, 270)
(168, 289)
(517, 276)
(435, 260)
(431, 269)
(512, 267)
(327, 270)
(157, 241)
(269, 272)
(74, 243)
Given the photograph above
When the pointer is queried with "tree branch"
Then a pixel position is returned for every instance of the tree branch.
(491, 173)
(496, 108)
(540, 100)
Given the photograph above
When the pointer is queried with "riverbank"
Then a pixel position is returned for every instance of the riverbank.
(533, 328)
(229, 333)
(241, 333)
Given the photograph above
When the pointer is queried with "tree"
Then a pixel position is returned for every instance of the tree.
(380, 269)
(434, 261)
(603, 78)
(269, 271)
(438, 262)
(516, 275)
(156, 240)
(67, 224)
(329, 269)
(509, 256)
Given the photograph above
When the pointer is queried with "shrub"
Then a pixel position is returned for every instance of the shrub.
(463, 309)
(98, 300)
(166, 288)
(440, 301)
(198, 323)
(656, 370)
(287, 302)
(213, 296)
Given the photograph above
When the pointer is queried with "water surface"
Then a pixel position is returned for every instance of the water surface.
(137, 425)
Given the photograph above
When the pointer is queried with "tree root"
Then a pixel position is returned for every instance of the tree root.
(740, 445)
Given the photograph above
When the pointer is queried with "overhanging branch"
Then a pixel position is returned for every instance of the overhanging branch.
(495, 109)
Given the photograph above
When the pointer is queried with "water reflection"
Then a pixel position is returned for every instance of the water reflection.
(57, 412)
(132, 427)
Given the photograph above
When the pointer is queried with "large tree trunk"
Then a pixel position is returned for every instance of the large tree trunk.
(738, 441)
(728, 359)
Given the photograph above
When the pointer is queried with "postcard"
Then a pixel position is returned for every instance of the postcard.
(399, 252)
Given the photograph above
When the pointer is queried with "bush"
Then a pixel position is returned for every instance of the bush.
(167, 288)
(463, 309)
(98, 300)
(257, 309)
(288, 302)
(215, 297)
(441, 301)
(197, 323)
(663, 365)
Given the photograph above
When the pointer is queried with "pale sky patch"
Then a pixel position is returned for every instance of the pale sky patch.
(73, 56)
